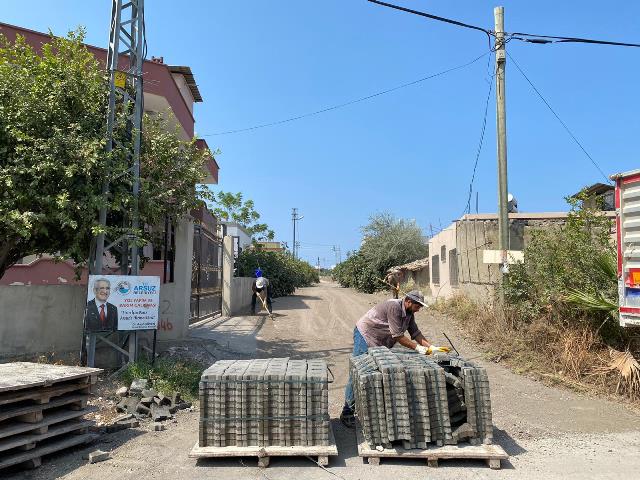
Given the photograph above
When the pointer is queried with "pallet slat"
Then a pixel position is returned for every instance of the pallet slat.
(23, 411)
(491, 453)
(323, 452)
(43, 394)
(14, 428)
(20, 375)
(55, 430)
(38, 452)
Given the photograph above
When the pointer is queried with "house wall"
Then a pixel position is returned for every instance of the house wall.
(440, 284)
(38, 319)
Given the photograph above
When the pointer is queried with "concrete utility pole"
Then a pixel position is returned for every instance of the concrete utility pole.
(295, 218)
(501, 120)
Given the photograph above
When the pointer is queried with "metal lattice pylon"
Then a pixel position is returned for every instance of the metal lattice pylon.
(126, 38)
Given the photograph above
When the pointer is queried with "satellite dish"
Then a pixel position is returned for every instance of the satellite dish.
(512, 204)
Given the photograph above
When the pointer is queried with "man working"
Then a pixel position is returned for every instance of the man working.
(393, 279)
(259, 285)
(101, 316)
(384, 325)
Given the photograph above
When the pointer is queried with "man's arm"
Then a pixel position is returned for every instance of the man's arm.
(407, 342)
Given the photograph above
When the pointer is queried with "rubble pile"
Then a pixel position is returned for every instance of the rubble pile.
(405, 396)
(141, 402)
(264, 402)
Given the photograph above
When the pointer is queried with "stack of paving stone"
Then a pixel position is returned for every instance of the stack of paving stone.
(404, 396)
(264, 402)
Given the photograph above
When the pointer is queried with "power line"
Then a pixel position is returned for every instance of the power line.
(484, 127)
(525, 37)
(346, 104)
(595, 164)
(433, 17)
(544, 39)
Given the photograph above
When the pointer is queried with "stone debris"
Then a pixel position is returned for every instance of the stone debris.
(264, 402)
(403, 396)
(141, 402)
(98, 456)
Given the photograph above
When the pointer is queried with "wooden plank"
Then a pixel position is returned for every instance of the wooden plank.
(14, 428)
(268, 451)
(35, 409)
(43, 394)
(19, 375)
(38, 452)
(33, 438)
(460, 451)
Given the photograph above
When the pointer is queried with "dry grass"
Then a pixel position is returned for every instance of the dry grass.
(559, 352)
(625, 368)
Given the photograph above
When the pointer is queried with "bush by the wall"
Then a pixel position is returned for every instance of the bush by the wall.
(283, 271)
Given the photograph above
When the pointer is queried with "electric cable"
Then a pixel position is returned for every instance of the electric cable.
(545, 39)
(432, 17)
(481, 142)
(595, 164)
(351, 102)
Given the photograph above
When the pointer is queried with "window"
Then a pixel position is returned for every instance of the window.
(443, 254)
(453, 268)
(435, 269)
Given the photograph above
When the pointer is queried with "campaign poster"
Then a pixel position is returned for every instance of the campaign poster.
(122, 302)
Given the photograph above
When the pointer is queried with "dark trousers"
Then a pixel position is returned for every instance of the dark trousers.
(254, 297)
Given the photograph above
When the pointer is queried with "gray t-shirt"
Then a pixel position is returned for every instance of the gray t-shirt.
(385, 321)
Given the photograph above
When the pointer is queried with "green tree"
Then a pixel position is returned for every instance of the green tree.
(232, 207)
(388, 241)
(53, 160)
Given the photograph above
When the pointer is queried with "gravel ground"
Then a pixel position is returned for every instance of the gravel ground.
(548, 432)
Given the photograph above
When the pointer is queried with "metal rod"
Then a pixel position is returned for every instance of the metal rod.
(451, 343)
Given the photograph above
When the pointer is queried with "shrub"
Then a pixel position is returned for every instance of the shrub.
(283, 271)
(167, 376)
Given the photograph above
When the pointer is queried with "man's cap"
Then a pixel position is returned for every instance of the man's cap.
(260, 282)
(416, 296)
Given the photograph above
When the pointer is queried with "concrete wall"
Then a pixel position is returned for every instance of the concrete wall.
(441, 287)
(41, 318)
(241, 295)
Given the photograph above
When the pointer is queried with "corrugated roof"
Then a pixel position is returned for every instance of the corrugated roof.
(189, 77)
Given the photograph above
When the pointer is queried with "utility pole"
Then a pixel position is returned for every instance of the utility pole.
(294, 219)
(501, 120)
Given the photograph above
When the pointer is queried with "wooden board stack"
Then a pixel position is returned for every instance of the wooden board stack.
(41, 410)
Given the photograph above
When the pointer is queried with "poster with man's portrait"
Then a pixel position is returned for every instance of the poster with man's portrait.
(121, 302)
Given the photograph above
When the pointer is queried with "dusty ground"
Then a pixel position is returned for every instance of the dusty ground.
(548, 432)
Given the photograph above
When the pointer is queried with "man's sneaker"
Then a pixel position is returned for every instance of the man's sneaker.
(348, 419)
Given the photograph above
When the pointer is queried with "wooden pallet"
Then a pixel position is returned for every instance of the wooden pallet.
(33, 458)
(492, 454)
(34, 413)
(265, 453)
(20, 375)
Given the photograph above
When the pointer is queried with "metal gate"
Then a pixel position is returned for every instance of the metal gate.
(206, 273)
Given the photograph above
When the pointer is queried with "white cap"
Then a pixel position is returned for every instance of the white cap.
(260, 282)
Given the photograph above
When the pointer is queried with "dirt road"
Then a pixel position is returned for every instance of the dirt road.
(549, 433)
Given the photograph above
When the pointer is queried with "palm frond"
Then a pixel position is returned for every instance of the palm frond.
(591, 302)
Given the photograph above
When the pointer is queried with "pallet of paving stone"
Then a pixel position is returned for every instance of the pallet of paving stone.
(264, 454)
(491, 454)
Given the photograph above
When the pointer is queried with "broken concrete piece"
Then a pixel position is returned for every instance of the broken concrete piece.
(122, 392)
(138, 385)
(121, 418)
(132, 423)
(158, 427)
(98, 456)
(149, 392)
(142, 409)
(184, 405)
(176, 398)
(146, 401)
(173, 409)
(160, 413)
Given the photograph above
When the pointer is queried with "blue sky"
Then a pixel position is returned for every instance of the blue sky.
(410, 152)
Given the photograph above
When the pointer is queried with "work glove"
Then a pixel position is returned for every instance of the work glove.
(421, 349)
(433, 349)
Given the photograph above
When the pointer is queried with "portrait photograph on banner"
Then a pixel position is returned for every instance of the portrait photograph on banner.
(122, 302)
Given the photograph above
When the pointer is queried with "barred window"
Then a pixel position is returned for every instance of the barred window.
(435, 269)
